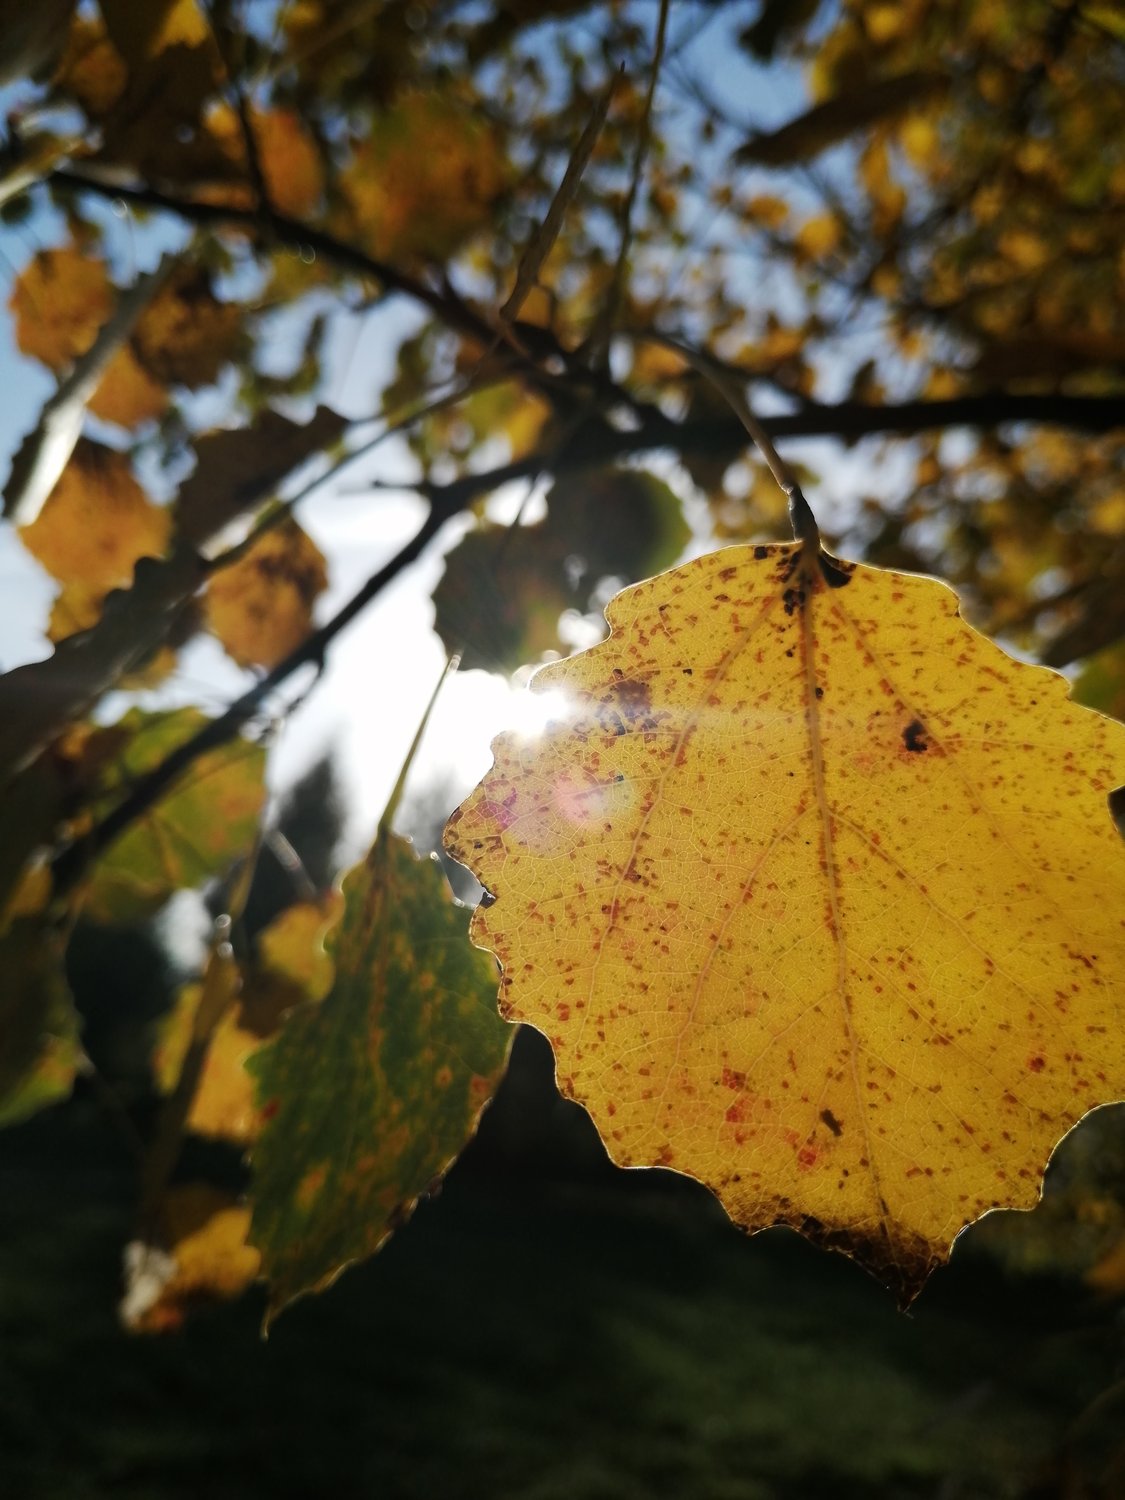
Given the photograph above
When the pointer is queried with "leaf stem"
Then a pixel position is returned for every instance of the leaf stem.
(730, 387)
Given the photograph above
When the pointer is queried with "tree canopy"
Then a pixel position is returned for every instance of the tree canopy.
(566, 230)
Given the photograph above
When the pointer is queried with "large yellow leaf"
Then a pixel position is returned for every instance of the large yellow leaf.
(817, 895)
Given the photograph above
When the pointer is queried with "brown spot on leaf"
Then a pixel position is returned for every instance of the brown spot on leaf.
(912, 737)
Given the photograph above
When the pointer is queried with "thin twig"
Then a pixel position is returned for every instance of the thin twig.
(617, 285)
(731, 388)
(543, 240)
(399, 787)
(449, 308)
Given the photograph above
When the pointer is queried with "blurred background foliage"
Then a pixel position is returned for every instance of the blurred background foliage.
(901, 224)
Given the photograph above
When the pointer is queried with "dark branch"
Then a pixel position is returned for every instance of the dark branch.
(449, 308)
(69, 866)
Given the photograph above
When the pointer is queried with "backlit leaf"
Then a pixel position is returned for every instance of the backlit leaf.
(186, 335)
(127, 393)
(60, 300)
(504, 588)
(96, 522)
(287, 155)
(369, 1096)
(197, 830)
(425, 178)
(291, 966)
(261, 606)
(817, 895)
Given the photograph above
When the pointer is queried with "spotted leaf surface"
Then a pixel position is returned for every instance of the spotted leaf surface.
(369, 1096)
(817, 896)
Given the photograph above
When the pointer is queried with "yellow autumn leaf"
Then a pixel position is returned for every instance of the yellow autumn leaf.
(95, 524)
(921, 140)
(127, 394)
(425, 179)
(292, 966)
(292, 947)
(819, 236)
(261, 606)
(768, 211)
(223, 1105)
(60, 300)
(290, 163)
(91, 68)
(817, 896)
(186, 335)
(207, 1259)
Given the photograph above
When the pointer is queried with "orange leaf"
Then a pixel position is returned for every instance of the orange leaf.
(60, 301)
(261, 606)
(425, 179)
(127, 393)
(817, 895)
(186, 335)
(96, 522)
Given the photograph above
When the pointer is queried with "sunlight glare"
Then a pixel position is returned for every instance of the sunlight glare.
(531, 713)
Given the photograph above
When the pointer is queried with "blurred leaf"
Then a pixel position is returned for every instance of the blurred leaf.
(203, 1258)
(127, 394)
(1101, 682)
(369, 1096)
(44, 453)
(291, 967)
(237, 469)
(826, 124)
(196, 831)
(260, 607)
(39, 1051)
(163, 57)
(425, 178)
(287, 154)
(292, 947)
(186, 335)
(96, 522)
(59, 301)
(499, 600)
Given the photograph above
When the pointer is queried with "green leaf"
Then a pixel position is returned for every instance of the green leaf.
(39, 1049)
(504, 587)
(209, 818)
(370, 1095)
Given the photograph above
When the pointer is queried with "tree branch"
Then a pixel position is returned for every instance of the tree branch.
(444, 303)
(71, 864)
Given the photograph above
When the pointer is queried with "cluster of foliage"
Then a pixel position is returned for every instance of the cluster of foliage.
(539, 207)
